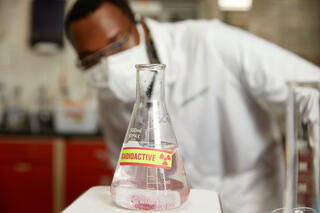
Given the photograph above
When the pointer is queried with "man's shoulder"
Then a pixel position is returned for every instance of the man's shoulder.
(187, 25)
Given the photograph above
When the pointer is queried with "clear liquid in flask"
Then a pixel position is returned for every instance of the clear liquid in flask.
(148, 188)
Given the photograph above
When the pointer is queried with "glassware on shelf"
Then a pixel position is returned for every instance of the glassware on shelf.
(16, 116)
(45, 110)
(303, 146)
(40, 113)
(3, 104)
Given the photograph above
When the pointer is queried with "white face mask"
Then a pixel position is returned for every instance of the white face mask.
(117, 72)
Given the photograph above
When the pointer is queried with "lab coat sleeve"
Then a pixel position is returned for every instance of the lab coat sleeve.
(114, 117)
(264, 69)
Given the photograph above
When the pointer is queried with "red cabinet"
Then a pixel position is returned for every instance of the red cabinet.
(44, 175)
(87, 165)
(26, 175)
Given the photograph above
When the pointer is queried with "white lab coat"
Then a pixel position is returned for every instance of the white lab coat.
(225, 89)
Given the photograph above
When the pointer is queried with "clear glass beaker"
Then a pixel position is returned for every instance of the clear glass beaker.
(150, 173)
(303, 146)
(295, 210)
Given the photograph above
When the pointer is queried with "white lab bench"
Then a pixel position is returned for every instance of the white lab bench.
(98, 200)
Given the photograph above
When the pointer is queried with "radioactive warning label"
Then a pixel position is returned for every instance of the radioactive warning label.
(140, 156)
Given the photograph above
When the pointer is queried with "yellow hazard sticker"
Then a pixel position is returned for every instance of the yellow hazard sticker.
(140, 156)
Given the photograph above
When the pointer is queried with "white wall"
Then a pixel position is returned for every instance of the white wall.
(19, 64)
(292, 24)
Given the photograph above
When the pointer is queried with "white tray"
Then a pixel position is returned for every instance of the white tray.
(98, 200)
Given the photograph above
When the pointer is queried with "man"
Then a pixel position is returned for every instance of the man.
(225, 89)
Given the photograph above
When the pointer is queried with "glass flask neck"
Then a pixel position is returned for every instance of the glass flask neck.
(150, 83)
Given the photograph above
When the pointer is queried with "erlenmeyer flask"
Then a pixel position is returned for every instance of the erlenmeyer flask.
(150, 173)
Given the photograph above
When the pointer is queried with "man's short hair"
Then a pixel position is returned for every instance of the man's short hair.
(83, 8)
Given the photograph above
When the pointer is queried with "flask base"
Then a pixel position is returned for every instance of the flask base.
(148, 199)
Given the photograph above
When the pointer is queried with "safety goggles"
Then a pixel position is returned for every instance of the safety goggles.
(91, 60)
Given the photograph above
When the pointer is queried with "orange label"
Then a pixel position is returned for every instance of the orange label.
(140, 156)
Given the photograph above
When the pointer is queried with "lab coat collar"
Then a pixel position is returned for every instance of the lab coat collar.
(160, 33)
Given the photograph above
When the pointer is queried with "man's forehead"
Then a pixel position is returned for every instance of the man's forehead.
(107, 17)
(98, 27)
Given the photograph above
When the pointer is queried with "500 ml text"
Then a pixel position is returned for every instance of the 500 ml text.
(135, 133)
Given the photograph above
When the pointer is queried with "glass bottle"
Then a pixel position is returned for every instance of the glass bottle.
(150, 173)
(45, 110)
(16, 118)
(41, 115)
(2, 104)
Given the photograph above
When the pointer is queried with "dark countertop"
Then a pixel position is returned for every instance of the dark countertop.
(97, 134)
